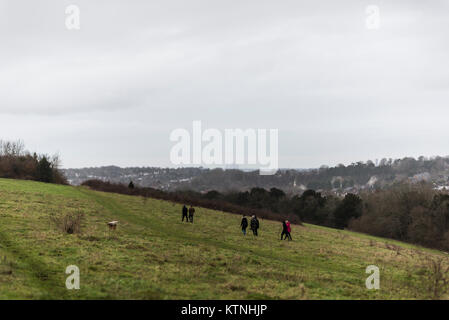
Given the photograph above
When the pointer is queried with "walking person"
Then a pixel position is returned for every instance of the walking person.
(244, 225)
(191, 213)
(184, 214)
(284, 230)
(289, 230)
(254, 225)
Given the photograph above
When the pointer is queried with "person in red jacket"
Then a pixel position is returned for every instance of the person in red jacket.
(289, 230)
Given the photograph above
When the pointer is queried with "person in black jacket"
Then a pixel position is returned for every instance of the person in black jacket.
(254, 225)
(244, 225)
(284, 231)
(184, 213)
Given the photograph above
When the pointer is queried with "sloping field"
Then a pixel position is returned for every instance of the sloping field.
(153, 255)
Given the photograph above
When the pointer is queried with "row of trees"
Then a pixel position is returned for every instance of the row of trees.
(413, 213)
(185, 197)
(17, 163)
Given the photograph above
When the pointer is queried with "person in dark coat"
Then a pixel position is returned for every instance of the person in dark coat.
(244, 225)
(254, 225)
(191, 213)
(284, 230)
(184, 213)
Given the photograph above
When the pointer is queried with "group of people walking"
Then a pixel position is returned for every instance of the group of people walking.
(187, 214)
(286, 230)
(190, 212)
(254, 225)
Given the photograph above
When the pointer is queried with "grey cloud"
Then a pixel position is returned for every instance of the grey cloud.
(337, 91)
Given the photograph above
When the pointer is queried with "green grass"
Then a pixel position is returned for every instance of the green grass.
(153, 255)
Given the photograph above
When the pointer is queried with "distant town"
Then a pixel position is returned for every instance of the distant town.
(338, 180)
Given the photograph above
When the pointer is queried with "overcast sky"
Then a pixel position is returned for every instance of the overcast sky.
(339, 92)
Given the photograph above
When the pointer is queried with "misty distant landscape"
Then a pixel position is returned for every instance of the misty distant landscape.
(340, 179)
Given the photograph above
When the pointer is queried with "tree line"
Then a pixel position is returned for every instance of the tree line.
(18, 163)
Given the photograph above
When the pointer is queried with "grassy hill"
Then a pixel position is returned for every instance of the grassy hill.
(153, 255)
